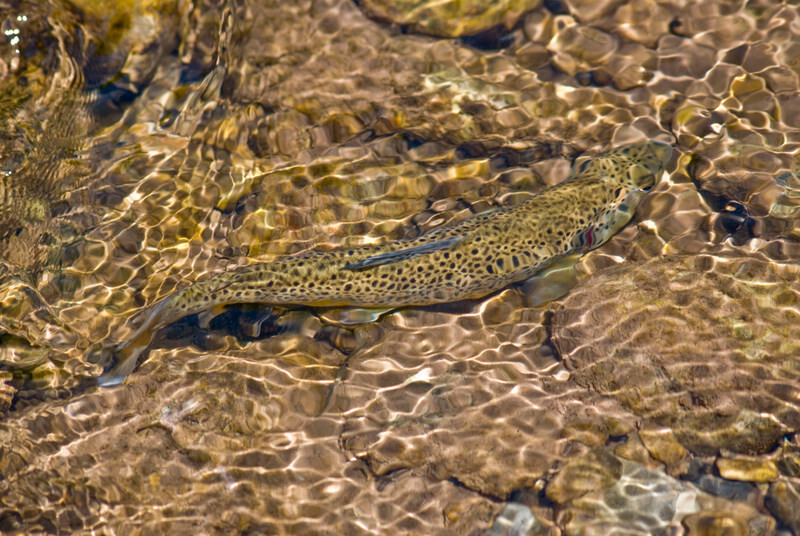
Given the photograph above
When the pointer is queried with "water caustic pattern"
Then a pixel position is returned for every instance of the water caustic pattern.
(148, 146)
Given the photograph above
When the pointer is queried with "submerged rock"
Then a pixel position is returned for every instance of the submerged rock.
(704, 345)
(464, 412)
(783, 500)
(662, 445)
(596, 470)
(646, 501)
(713, 523)
(749, 470)
(516, 520)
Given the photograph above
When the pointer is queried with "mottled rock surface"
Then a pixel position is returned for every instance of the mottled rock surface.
(644, 501)
(704, 345)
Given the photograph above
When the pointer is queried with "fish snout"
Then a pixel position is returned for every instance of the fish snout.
(662, 151)
(645, 172)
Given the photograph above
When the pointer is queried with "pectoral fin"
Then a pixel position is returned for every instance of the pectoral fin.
(353, 315)
(403, 254)
(552, 282)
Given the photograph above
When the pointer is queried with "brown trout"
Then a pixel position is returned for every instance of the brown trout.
(467, 260)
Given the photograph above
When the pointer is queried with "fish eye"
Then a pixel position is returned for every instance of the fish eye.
(646, 188)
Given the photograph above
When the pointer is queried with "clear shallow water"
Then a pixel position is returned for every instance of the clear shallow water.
(152, 147)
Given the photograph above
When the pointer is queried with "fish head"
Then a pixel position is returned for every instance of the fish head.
(623, 176)
(645, 163)
(629, 167)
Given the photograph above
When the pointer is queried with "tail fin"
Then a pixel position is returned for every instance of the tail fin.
(127, 355)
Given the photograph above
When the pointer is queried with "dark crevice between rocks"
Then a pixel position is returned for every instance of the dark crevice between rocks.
(678, 27)
(556, 7)
(539, 152)
(594, 78)
(531, 497)
(364, 465)
(338, 380)
(734, 218)
(547, 324)
(29, 394)
(11, 521)
(494, 498)
(704, 475)
(496, 38)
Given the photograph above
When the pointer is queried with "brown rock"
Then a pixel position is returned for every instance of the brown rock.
(748, 470)
(517, 519)
(634, 450)
(701, 345)
(663, 446)
(597, 469)
(579, 48)
(783, 500)
(716, 524)
(648, 501)
(642, 21)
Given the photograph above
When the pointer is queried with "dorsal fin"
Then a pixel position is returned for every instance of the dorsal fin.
(403, 254)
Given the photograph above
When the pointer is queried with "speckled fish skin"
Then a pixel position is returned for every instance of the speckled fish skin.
(468, 260)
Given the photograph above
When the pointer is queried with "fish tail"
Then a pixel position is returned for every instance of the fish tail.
(124, 360)
(126, 356)
(190, 300)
